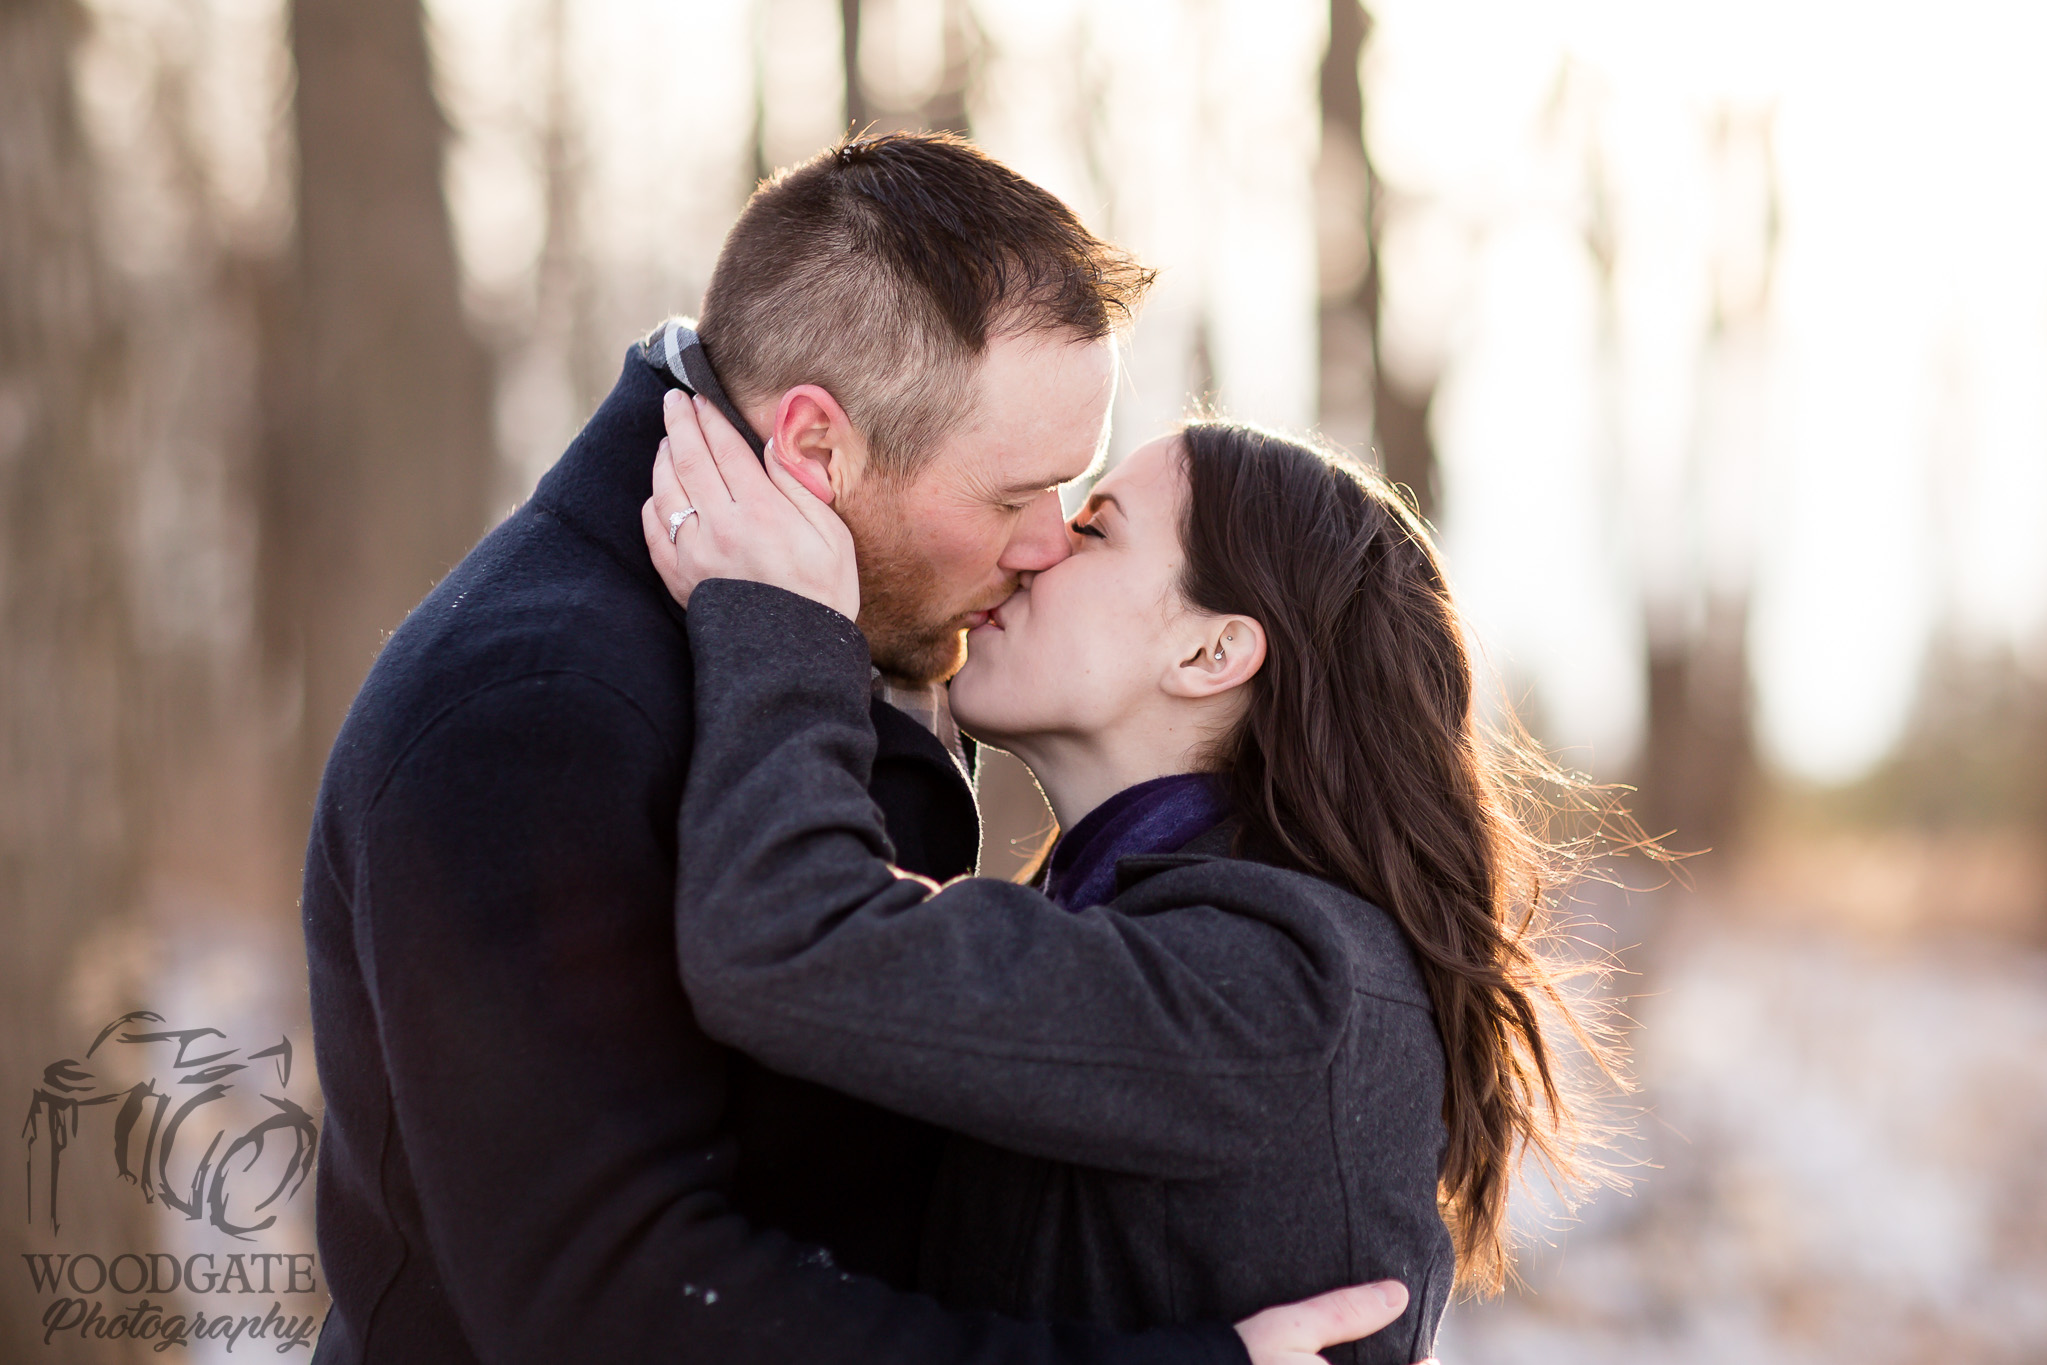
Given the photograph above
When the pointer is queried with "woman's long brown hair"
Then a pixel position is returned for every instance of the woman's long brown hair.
(1361, 759)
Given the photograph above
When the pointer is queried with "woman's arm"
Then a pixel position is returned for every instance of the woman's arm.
(1165, 1040)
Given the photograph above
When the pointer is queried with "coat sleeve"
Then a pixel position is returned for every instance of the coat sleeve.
(1164, 1044)
(557, 1111)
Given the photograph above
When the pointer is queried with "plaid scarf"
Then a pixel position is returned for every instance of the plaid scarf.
(926, 704)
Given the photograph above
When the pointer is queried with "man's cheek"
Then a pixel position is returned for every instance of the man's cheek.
(975, 550)
(963, 571)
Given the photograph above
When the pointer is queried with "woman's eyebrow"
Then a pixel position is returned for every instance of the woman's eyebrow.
(1095, 500)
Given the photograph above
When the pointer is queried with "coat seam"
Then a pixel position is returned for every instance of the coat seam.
(435, 721)
(1336, 1155)
(1293, 1063)
(390, 1126)
(1405, 1000)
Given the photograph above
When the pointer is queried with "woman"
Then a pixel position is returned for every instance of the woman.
(1272, 1024)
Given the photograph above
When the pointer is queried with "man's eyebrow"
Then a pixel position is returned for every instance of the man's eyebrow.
(1034, 486)
(1094, 469)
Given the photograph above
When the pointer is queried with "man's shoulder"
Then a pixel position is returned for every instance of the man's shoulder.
(536, 627)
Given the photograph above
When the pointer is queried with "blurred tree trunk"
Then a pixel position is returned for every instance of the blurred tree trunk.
(566, 290)
(1363, 404)
(1699, 751)
(1699, 763)
(379, 444)
(961, 44)
(859, 109)
(71, 801)
(945, 108)
(757, 133)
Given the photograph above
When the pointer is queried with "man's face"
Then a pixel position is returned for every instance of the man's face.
(942, 550)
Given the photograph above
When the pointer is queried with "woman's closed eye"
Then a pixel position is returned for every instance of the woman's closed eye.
(1088, 528)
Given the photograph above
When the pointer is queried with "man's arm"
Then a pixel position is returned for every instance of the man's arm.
(1163, 1044)
(560, 1114)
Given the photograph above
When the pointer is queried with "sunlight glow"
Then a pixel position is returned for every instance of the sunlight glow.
(1846, 420)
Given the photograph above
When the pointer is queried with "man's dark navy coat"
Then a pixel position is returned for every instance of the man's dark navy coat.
(531, 1152)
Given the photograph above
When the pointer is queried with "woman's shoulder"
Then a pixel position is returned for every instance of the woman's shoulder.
(1379, 960)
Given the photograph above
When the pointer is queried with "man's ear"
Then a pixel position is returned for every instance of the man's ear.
(1228, 652)
(816, 443)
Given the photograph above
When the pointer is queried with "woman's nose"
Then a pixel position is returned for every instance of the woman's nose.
(1040, 539)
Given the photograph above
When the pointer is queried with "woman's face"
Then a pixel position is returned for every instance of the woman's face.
(1087, 644)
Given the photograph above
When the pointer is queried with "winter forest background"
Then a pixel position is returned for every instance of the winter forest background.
(1712, 336)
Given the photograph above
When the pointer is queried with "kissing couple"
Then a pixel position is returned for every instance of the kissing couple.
(658, 1012)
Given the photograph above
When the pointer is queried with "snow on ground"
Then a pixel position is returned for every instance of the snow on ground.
(1845, 1148)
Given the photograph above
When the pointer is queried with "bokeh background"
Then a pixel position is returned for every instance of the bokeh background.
(1712, 336)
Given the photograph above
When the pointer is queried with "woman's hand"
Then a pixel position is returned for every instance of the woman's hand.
(716, 513)
(1294, 1333)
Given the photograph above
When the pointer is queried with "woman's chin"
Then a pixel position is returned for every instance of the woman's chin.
(975, 695)
(965, 687)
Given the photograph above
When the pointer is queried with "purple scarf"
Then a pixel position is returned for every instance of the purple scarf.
(1159, 816)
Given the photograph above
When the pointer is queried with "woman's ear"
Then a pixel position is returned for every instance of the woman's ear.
(814, 440)
(1228, 654)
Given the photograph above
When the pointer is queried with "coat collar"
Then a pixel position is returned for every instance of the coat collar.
(600, 481)
(1215, 845)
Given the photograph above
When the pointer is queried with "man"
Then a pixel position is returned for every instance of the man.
(531, 1151)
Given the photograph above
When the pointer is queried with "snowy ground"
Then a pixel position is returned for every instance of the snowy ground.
(1846, 1142)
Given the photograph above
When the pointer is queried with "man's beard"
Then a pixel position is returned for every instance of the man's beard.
(913, 632)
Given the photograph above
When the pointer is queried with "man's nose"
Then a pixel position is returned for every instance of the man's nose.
(1040, 539)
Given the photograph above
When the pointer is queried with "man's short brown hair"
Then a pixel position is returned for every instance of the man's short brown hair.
(879, 270)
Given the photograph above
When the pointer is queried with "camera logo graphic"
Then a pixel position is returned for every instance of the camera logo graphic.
(177, 1113)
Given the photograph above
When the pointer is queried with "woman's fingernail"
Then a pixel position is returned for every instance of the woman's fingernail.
(670, 399)
(662, 449)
